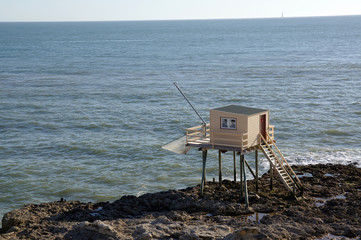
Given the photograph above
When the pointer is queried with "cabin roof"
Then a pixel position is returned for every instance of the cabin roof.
(240, 110)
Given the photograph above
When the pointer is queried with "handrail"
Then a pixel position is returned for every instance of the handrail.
(197, 132)
(284, 160)
(289, 167)
(298, 182)
(271, 131)
(200, 132)
(241, 141)
(269, 147)
(197, 127)
(244, 136)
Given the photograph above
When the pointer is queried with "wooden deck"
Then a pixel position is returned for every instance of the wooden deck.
(202, 137)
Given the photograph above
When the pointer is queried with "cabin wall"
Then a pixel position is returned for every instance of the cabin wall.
(250, 124)
(254, 128)
(215, 126)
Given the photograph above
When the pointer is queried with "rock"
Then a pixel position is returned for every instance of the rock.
(12, 219)
(96, 230)
(182, 214)
(188, 235)
(246, 233)
(162, 220)
(159, 228)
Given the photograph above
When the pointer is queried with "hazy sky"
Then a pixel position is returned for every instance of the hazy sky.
(103, 10)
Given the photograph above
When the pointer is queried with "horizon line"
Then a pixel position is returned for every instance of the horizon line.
(180, 19)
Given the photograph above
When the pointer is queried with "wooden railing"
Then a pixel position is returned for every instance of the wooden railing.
(197, 133)
(203, 134)
(282, 162)
(271, 132)
(229, 139)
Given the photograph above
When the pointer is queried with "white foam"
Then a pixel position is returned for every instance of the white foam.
(305, 175)
(324, 156)
(316, 156)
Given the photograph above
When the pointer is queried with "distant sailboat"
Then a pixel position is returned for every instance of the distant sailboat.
(282, 15)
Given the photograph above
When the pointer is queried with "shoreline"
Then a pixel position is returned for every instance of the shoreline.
(330, 209)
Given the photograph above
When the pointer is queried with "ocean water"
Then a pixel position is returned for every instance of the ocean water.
(86, 106)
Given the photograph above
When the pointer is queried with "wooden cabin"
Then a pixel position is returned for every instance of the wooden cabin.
(238, 129)
(242, 129)
(232, 127)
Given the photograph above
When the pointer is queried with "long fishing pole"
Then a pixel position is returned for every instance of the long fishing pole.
(175, 84)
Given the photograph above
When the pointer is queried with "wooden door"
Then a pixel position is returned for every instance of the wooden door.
(263, 125)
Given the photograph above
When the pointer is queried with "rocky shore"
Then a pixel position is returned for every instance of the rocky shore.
(330, 209)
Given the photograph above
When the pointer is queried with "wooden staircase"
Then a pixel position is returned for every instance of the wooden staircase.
(281, 166)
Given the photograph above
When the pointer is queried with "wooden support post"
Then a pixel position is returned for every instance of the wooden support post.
(204, 157)
(245, 183)
(250, 169)
(256, 161)
(271, 175)
(241, 174)
(234, 167)
(220, 167)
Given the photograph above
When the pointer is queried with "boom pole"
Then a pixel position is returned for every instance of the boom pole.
(175, 84)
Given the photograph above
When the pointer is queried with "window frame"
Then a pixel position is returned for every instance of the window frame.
(229, 120)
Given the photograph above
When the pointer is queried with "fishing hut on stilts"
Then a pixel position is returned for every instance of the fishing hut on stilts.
(240, 130)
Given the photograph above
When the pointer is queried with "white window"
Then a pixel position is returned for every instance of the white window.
(228, 123)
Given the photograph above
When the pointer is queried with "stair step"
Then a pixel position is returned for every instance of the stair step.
(277, 162)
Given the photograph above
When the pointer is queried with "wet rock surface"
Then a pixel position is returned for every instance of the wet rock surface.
(330, 207)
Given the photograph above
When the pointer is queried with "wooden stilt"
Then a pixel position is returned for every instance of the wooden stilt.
(220, 167)
(249, 168)
(256, 161)
(234, 167)
(245, 183)
(204, 157)
(271, 175)
(241, 173)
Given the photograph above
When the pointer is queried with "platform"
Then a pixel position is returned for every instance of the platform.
(203, 138)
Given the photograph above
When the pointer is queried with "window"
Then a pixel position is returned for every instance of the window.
(228, 123)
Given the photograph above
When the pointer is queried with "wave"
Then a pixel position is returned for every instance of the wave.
(76, 147)
(335, 132)
(325, 156)
(69, 191)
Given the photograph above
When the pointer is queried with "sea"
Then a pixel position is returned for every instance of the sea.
(85, 107)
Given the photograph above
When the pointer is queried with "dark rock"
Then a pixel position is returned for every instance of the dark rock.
(246, 233)
(221, 213)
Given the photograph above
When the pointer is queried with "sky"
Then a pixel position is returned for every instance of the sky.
(119, 10)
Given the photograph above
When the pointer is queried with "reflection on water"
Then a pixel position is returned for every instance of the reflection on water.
(255, 217)
(322, 201)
